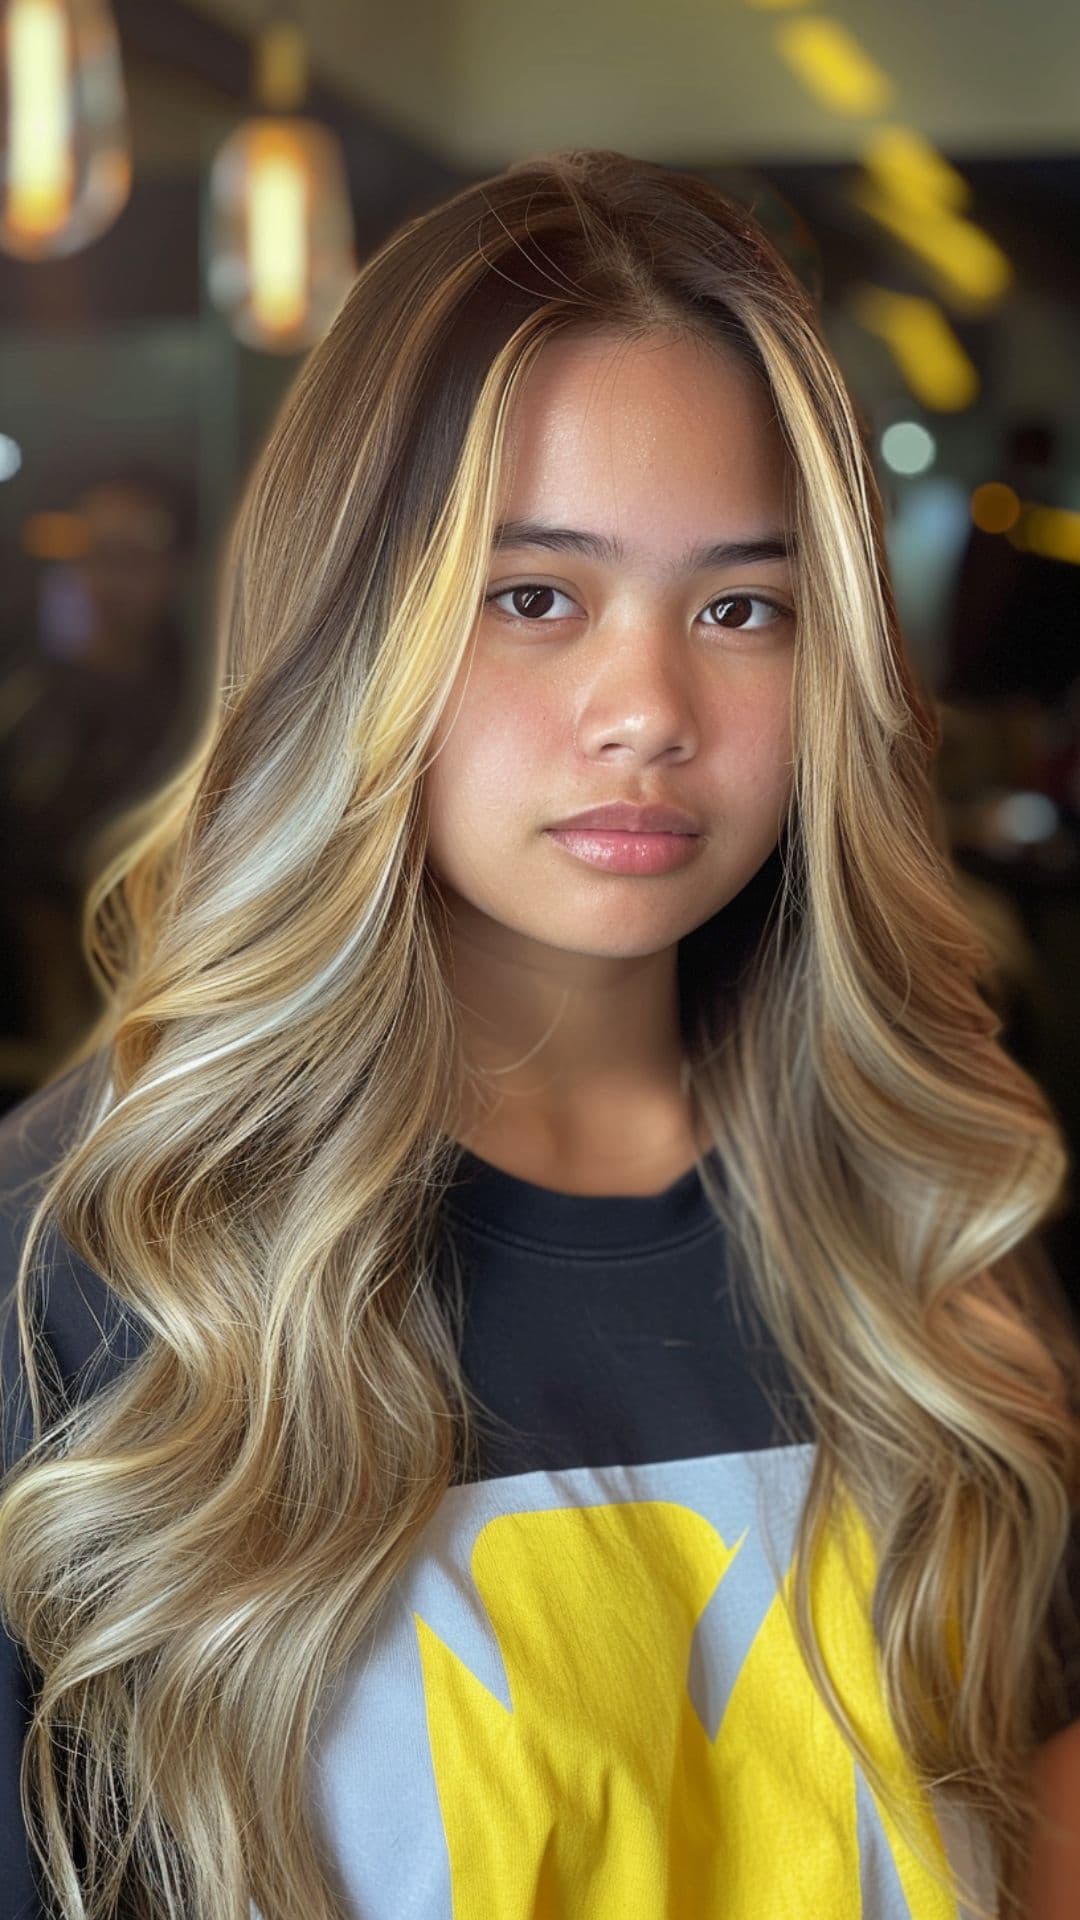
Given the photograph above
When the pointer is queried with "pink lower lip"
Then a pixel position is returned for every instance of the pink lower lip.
(627, 852)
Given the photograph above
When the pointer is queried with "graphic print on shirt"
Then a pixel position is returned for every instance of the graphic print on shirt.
(595, 1706)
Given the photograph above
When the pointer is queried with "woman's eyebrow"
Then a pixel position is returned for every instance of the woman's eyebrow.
(773, 544)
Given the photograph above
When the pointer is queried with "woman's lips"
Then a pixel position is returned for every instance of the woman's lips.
(627, 852)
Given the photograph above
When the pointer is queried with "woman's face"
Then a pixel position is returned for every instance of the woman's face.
(642, 673)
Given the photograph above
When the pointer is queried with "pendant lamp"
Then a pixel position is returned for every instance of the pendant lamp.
(281, 256)
(65, 149)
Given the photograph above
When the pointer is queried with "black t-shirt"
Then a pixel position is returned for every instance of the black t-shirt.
(583, 1696)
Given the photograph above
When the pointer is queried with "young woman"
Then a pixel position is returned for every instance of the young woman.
(531, 1383)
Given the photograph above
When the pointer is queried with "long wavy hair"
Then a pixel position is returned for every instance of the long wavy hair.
(191, 1555)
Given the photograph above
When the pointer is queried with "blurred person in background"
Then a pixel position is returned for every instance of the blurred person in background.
(91, 718)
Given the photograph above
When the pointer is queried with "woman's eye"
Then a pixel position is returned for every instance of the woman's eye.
(532, 602)
(528, 593)
(741, 600)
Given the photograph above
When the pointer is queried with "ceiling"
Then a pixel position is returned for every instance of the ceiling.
(690, 81)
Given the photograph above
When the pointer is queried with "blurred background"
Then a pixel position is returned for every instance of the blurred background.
(188, 188)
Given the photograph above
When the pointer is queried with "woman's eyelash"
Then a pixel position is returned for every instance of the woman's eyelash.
(718, 600)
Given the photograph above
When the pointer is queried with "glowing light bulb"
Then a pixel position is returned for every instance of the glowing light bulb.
(278, 219)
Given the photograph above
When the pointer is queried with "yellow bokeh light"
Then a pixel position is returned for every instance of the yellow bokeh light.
(910, 168)
(995, 507)
(966, 259)
(927, 351)
(54, 536)
(1053, 532)
(831, 64)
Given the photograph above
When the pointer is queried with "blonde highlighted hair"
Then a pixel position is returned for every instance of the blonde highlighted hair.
(190, 1556)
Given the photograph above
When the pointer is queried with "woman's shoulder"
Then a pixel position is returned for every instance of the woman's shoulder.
(88, 1332)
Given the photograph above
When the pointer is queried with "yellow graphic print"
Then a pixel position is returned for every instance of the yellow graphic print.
(598, 1794)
